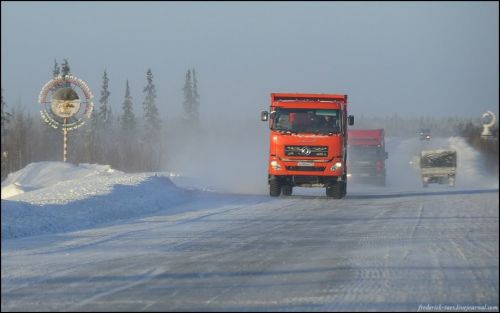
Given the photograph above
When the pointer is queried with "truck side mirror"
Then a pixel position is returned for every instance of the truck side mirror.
(351, 120)
(264, 116)
(386, 155)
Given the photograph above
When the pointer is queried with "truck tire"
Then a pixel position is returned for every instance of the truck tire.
(330, 191)
(274, 188)
(335, 191)
(344, 189)
(287, 190)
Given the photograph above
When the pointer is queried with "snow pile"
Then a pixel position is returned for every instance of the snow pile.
(50, 197)
(45, 174)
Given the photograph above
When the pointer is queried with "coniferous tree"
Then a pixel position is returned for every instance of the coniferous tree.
(128, 136)
(191, 100)
(196, 97)
(127, 121)
(152, 125)
(4, 130)
(65, 68)
(104, 134)
(57, 70)
(104, 109)
(188, 98)
(151, 116)
(18, 143)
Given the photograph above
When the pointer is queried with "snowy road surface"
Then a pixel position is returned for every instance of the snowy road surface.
(366, 252)
(90, 238)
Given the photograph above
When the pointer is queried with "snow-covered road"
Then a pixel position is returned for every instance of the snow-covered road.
(399, 248)
(255, 253)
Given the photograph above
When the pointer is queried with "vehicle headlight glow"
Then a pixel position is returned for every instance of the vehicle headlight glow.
(275, 165)
(336, 166)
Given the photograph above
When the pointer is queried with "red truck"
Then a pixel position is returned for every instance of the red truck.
(367, 155)
(308, 142)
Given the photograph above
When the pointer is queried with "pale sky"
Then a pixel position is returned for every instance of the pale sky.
(411, 58)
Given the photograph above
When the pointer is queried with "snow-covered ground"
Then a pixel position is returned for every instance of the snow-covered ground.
(50, 197)
(87, 237)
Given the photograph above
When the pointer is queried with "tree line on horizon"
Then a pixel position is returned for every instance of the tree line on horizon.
(134, 142)
(126, 140)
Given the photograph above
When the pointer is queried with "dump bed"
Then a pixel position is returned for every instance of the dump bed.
(438, 158)
(366, 137)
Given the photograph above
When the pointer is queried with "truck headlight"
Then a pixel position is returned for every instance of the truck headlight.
(275, 165)
(336, 166)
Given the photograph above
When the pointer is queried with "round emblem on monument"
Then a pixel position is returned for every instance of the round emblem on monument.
(65, 102)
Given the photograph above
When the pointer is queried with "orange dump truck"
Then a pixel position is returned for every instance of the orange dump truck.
(308, 142)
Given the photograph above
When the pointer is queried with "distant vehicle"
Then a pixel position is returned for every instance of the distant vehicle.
(424, 133)
(366, 156)
(438, 166)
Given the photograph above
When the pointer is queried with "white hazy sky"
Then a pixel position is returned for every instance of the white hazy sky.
(410, 58)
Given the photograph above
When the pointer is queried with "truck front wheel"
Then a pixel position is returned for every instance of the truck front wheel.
(274, 188)
(336, 191)
(287, 190)
(344, 189)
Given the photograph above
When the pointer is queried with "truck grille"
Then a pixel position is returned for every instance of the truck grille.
(305, 168)
(317, 151)
(363, 167)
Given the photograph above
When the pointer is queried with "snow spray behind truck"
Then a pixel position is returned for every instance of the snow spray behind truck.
(307, 142)
(367, 155)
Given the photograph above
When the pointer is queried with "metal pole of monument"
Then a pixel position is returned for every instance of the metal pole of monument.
(65, 145)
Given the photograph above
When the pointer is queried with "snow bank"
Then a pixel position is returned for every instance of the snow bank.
(50, 197)
(45, 174)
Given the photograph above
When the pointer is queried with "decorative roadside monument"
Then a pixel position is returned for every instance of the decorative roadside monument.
(488, 120)
(67, 104)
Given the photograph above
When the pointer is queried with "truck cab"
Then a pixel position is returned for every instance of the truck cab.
(307, 142)
(366, 156)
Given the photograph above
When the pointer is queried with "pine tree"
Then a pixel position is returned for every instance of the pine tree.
(104, 110)
(196, 97)
(128, 118)
(65, 68)
(57, 70)
(128, 138)
(152, 126)
(66, 71)
(191, 99)
(188, 97)
(151, 116)
(4, 130)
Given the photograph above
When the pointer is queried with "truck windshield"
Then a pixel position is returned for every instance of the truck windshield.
(307, 121)
(439, 159)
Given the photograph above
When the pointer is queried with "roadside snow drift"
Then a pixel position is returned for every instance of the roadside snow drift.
(50, 197)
